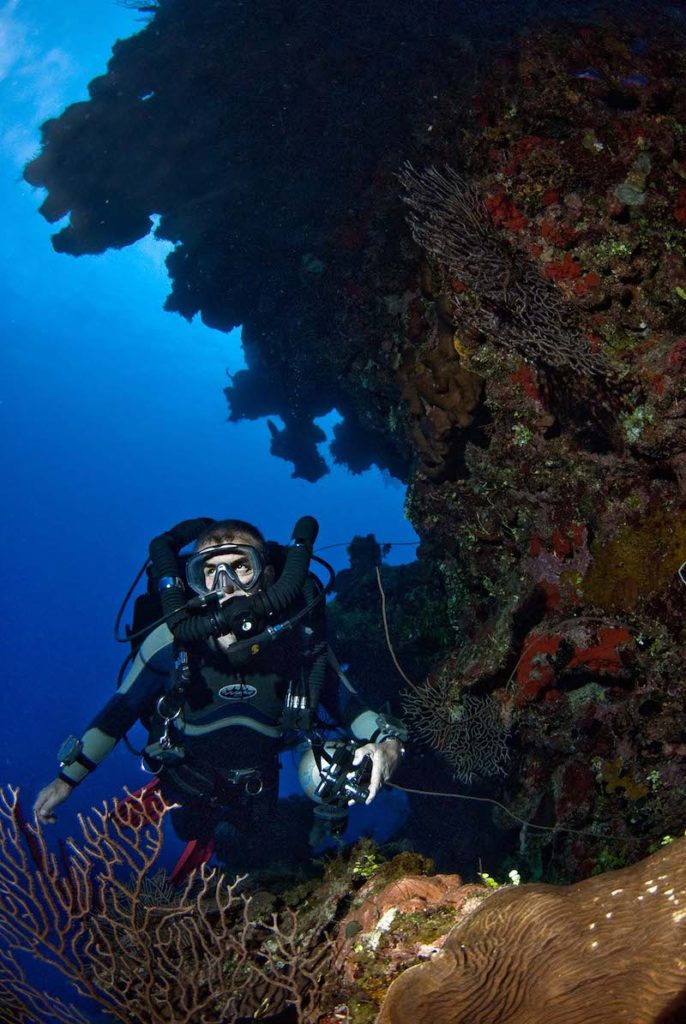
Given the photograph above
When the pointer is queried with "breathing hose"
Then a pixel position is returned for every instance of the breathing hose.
(164, 555)
(240, 614)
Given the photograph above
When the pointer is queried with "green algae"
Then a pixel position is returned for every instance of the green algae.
(637, 563)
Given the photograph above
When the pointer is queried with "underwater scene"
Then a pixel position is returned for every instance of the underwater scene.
(344, 519)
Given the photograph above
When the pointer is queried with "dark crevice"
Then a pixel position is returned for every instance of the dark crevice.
(455, 465)
(622, 102)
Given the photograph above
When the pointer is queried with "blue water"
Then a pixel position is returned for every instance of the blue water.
(113, 428)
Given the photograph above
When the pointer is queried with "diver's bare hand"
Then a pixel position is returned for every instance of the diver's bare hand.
(385, 758)
(51, 796)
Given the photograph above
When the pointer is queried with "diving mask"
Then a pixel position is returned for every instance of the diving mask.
(224, 568)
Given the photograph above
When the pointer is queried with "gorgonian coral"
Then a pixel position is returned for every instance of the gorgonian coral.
(510, 301)
(467, 730)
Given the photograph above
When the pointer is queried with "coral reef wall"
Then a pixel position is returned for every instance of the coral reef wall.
(466, 233)
(265, 138)
(565, 527)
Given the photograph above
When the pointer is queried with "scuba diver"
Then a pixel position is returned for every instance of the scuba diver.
(236, 670)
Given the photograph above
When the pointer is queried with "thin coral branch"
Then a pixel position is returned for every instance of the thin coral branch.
(292, 961)
(510, 301)
(138, 948)
(22, 1003)
(466, 729)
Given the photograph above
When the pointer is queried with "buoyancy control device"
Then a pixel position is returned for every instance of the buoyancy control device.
(255, 619)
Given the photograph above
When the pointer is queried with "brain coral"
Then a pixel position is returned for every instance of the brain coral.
(608, 949)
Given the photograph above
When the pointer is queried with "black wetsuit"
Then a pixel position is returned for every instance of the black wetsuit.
(229, 730)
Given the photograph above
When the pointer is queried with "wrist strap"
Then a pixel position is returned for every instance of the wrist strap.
(394, 736)
(85, 762)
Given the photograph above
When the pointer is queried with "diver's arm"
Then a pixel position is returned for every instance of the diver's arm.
(51, 796)
(381, 736)
(342, 702)
(146, 676)
(386, 757)
(384, 746)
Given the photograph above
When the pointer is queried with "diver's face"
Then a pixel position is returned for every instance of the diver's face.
(217, 578)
